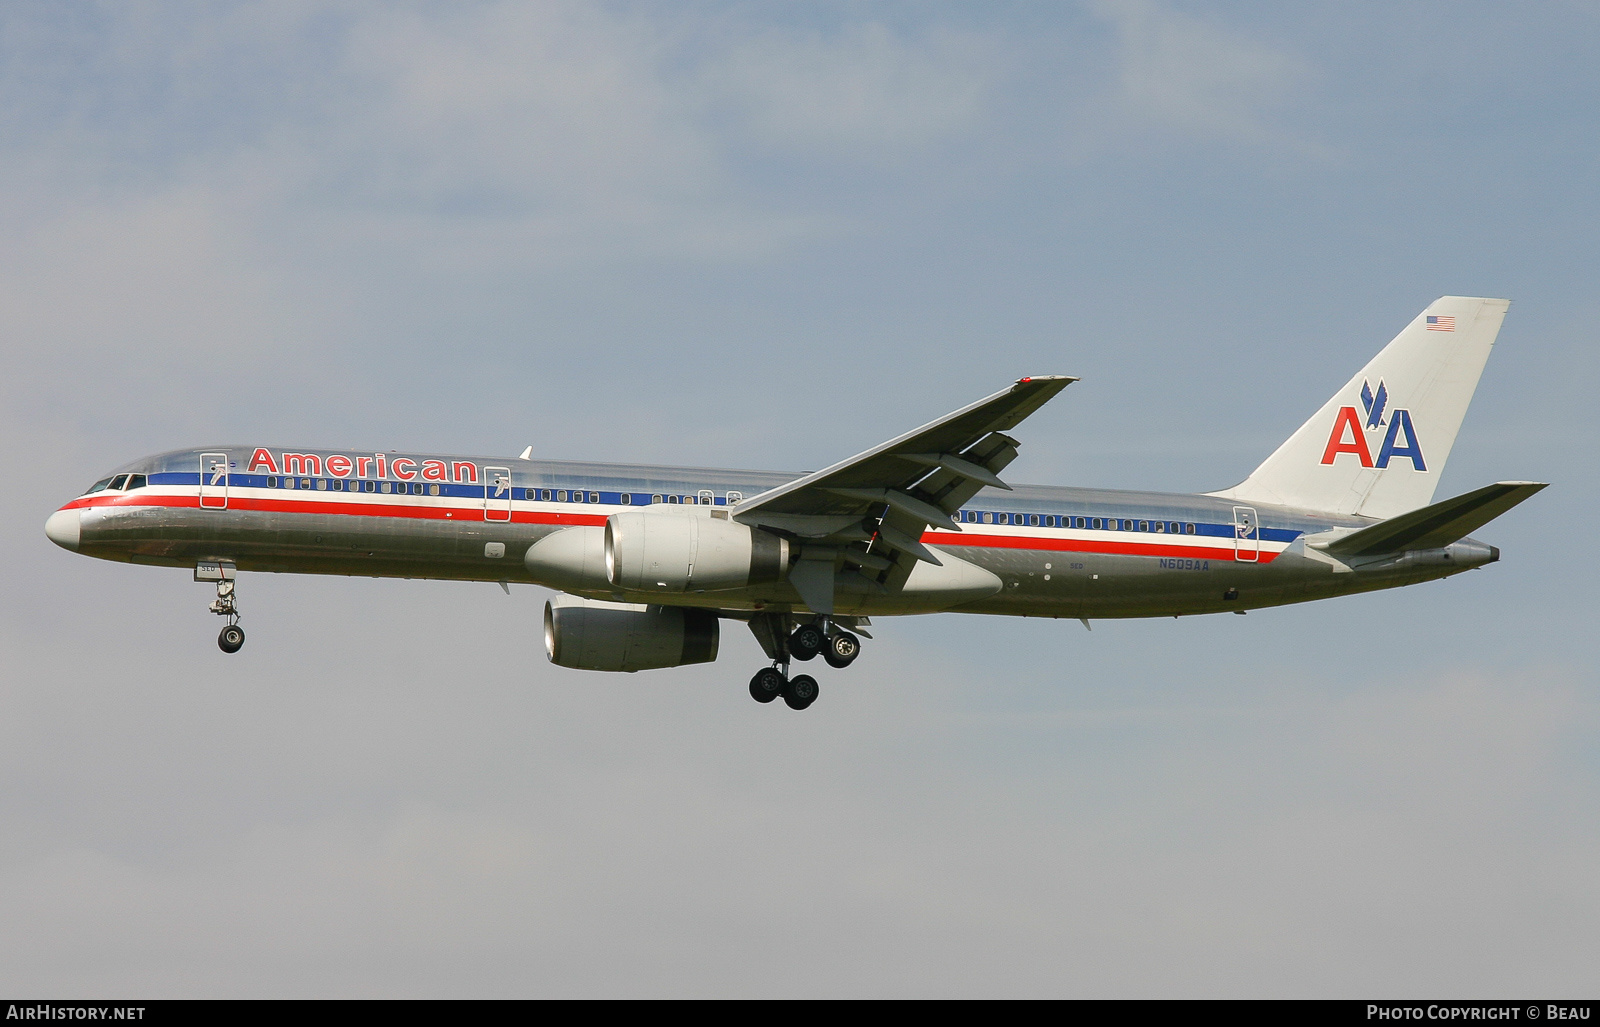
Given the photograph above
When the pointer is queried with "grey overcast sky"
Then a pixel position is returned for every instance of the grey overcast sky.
(771, 235)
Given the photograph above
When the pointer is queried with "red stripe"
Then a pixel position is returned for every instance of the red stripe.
(323, 506)
(441, 513)
(1075, 545)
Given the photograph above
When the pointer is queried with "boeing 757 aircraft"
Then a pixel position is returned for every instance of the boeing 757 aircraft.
(649, 561)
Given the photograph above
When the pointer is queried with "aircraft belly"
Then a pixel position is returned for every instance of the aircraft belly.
(1103, 585)
(304, 543)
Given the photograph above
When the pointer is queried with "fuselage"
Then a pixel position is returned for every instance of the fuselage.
(1056, 551)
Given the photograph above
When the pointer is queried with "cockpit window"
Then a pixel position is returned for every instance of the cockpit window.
(136, 481)
(118, 483)
(97, 486)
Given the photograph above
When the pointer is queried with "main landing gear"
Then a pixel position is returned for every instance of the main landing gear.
(837, 646)
(799, 691)
(840, 648)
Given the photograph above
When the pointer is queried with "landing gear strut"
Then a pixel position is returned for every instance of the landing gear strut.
(231, 640)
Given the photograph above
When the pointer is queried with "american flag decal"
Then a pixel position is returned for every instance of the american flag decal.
(1441, 323)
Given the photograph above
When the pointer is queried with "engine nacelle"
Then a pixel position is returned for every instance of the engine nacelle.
(586, 634)
(668, 549)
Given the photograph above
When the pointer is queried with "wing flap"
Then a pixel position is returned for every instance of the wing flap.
(864, 517)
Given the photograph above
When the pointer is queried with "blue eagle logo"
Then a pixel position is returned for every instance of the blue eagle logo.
(1374, 403)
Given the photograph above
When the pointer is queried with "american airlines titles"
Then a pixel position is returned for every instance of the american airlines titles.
(375, 466)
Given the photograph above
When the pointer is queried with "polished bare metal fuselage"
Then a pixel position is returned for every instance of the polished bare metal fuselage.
(1044, 571)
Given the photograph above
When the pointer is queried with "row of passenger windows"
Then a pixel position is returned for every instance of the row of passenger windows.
(118, 483)
(417, 488)
(1064, 521)
(127, 482)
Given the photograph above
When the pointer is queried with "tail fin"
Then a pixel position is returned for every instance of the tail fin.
(1378, 446)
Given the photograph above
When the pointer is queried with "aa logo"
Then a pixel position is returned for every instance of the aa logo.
(1349, 435)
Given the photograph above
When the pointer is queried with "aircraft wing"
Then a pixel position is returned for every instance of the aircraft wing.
(875, 506)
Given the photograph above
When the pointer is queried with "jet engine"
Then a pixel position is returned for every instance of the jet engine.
(672, 551)
(586, 634)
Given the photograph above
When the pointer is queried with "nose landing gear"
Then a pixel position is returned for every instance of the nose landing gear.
(231, 639)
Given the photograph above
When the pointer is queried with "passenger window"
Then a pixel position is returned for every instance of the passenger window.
(627, 499)
(561, 495)
(1033, 519)
(272, 482)
(384, 486)
(1161, 526)
(988, 518)
(672, 499)
(1188, 529)
(1083, 522)
(433, 490)
(735, 497)
(594, 497)
(706, 497)
(655, 498)
(1144, 525)
(305, 483)
(322, 484)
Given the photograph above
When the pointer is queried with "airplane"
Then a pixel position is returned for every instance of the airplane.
(647, 561)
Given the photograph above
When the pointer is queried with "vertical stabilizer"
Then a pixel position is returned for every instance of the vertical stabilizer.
(1378, 446)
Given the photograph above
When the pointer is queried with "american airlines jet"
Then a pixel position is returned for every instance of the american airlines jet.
(649, 561)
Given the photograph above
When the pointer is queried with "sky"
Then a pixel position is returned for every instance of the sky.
(770, 236)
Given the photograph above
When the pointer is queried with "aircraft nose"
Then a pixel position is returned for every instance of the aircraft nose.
(64, 528)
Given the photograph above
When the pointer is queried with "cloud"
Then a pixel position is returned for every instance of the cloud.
(863, 93)
(1197, 77)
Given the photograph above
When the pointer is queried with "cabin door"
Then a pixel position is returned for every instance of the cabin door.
(1246, 535)
(213, 481)
(497, 493)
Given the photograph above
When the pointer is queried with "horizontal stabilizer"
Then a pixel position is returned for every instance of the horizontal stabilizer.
(1436, 526)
